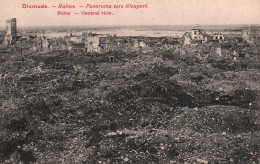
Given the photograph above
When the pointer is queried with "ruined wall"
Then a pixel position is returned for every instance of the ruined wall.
(219, 37)
(11, 31)
(97, 42)
(246, 34)
(197, 34)
(92, 43)
(194, 34)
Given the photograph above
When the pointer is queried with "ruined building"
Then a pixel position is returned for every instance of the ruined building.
(97, 42)
(198, 34)
(219, 37)
(247, 36)
(195, 35)
(75, 38)
(186, 38)
(10, 37)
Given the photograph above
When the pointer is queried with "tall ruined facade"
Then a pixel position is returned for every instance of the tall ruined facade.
(11, 29)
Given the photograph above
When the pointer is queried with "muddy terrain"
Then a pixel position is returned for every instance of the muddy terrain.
(184, 105)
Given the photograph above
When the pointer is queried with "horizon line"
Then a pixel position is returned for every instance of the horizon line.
(134, 25)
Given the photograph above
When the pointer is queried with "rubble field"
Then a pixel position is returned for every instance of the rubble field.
(183, 105)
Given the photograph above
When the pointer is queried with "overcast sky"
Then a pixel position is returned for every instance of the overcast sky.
(160, 12)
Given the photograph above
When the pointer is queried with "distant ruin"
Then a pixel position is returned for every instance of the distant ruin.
(195, 35)
(11, 28)
(97, 42)
(94, 42)
(219, 37)
(246, 34)
(198, 34)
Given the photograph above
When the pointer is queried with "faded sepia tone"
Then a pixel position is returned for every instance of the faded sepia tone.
(147, 81)
(160, 12)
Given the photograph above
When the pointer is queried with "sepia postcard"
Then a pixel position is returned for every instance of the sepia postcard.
(130, 81)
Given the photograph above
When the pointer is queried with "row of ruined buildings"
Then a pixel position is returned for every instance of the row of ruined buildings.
(196, 35)
(93, 42)
(87, 42)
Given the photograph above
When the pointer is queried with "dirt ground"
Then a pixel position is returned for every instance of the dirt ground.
(162, 107)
